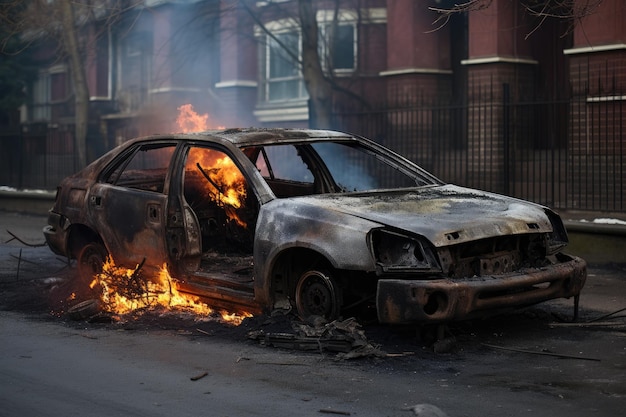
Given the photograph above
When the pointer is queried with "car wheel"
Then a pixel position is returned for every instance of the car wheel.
(317, 295)
(91, 259)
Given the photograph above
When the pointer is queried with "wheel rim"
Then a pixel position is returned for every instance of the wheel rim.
(91, 260)
(316, 296)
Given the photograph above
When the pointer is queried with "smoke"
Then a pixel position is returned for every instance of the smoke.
(347, 166)
(170, 56)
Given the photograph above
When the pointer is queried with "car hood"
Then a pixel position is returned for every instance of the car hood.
(445, 214)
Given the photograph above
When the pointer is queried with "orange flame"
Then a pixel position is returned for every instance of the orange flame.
(160, 291)
(189, 121)
(227, 185)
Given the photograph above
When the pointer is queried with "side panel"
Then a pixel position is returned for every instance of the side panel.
(131, 223)
(287, 223)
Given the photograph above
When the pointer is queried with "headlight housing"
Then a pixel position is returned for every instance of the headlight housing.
(558, 239)
(398, 253)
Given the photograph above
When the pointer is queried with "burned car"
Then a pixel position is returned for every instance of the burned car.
(323, 222)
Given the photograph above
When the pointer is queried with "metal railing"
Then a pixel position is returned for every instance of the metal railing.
(542, 150)
(567, 154)
(38, 158)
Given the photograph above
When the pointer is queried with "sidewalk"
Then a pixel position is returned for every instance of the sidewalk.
(599, 238)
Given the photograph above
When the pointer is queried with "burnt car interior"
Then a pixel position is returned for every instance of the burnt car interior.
(225, 208)
(291, 170)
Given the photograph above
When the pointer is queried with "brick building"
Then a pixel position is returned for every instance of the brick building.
(380, 54)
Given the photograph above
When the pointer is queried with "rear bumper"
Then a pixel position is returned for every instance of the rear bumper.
(440, 300)
(56, 233)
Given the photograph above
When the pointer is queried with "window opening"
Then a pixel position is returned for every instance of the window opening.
(145, 170)
(218, 193)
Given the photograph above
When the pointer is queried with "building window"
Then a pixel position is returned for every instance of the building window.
(41, 98)
(134, 71)
(284, 80)
(50, 88)
(338, 47)
(281, 53)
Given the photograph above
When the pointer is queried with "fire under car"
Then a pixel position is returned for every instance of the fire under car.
(323, 223)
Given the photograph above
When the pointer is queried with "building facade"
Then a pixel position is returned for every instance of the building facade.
(237, 62)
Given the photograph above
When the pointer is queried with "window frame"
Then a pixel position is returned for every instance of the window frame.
(268, 80)
(114, 173)
(327, 45)
(137, 47)
(45, 92)
(325, 19)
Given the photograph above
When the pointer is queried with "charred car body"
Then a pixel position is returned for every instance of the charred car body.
(321, 221)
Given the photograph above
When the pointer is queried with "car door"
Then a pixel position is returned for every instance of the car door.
(219, 210)
(129, 205)
(215, 192)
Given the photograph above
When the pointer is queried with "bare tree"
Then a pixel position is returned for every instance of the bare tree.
(570, 11)
(61, 22)
(318, 71)
(64, 21)
(77, 69)
(317, 84)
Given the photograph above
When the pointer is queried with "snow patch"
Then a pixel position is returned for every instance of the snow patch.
(604, 221)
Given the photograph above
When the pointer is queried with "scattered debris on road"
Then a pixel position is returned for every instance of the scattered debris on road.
(199, 376)
(344, 337)
(427, 410)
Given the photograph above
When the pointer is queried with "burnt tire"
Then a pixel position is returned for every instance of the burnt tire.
(317, 294)
(90, 260)
(84, 310)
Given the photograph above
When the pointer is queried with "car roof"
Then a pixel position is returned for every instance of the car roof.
(242, 137)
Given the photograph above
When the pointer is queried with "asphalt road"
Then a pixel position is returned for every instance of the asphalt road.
(528, 363)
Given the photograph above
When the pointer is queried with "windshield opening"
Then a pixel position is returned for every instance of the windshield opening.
(293, 169)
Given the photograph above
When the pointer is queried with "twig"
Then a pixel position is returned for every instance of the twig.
(558, 355)
(19, 261)
(199, 376)
(204, 332)
(607, 315)
(398, 355)
(328, 411)
(281, 363)
(588, 324)
(32, 245)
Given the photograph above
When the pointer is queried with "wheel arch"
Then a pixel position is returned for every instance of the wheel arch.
(79, 236)
(287, 267)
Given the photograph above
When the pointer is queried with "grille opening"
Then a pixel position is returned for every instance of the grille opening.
(494, 256)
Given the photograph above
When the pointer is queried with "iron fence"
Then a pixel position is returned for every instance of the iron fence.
(38, 158)
(567, 154)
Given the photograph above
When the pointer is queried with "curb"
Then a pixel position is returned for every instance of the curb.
(27, 201)
(574, 226)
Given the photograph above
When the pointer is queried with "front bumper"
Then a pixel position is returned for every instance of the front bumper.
(414, 301)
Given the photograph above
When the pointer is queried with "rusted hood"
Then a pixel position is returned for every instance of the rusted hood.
(444, 214)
